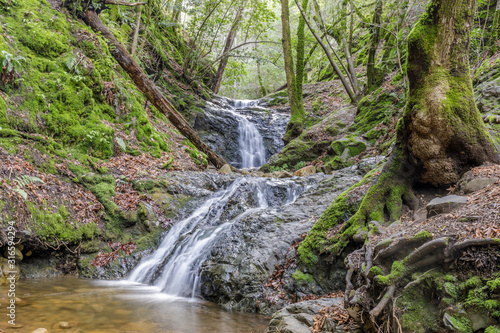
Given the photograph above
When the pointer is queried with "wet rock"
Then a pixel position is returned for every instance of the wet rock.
(219, 128)
(241, 263)
(65, 325)
(18, 255)
(298, 317)
(445, 204)
(305, 171)
(284, 174)
(226, 168)
(7, 271)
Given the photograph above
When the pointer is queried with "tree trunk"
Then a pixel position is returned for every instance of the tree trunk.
(176, 11)
(299, 70)
(347, 87)
(371, 70)
(136, 30)
(225, 53)
(495, 27)
(443, 133)
(148, 88)
(440, 137)
(295, 124)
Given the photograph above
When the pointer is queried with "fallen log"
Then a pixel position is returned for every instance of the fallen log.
(148, 88)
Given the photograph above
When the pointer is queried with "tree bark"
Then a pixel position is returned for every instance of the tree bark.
(136, 30)
(148, 88)
(443, 133)
(299, 70)
(225, 53)
(295, 124)
(371, 71)
(176, 11)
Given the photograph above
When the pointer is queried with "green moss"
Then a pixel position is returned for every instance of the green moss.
(338, 212)
(56, 226)
(473, 282)
(423, 235)
(378, 107)
(375, 270)
(198, 157)
(419, 313)
(397, 272)
(461, 324)
(302, 277)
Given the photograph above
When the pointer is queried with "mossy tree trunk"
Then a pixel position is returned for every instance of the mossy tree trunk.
(148, 87)
(295, 125)
(440, 136)
(442, 132)
(299, 71)
(371, 70)
(495, 27)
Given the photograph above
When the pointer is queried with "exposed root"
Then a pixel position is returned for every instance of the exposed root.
(383, 302)
(416, 258)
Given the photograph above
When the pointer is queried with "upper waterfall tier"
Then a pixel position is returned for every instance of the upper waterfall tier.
(243, 132)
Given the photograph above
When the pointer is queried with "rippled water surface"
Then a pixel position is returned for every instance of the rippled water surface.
(111, 306)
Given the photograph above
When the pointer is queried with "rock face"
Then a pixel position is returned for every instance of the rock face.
(245, 258)
(445, 204)
(218, 127)
(298, 317)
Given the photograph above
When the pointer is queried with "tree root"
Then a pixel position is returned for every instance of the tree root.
(433, 253)
(383, 302)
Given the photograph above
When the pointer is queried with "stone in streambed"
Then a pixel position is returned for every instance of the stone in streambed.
(40, 330)
(445, 204)
(226, 169)
(305, 171)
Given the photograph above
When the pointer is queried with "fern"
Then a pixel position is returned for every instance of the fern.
(23, 181)
(70, 61)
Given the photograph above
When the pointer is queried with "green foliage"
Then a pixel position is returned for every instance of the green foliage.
(277, 168)
(22, 181)
(11, 63)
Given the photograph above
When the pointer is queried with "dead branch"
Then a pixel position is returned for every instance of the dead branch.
(123, 3)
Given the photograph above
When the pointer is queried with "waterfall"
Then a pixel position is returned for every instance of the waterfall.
(243, 132)
(175, 265)
(253, 151)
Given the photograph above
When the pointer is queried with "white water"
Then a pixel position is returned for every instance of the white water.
(175, 266)
(253, 151)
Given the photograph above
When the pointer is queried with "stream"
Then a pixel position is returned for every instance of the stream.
(223, 250)
(84, 305)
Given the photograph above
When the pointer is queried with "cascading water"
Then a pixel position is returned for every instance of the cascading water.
(175, 265)
(243, 132)
(253, 151)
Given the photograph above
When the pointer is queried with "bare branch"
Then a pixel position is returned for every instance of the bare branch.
(124, 3)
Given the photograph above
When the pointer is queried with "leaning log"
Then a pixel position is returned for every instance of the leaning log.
(148, 87)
